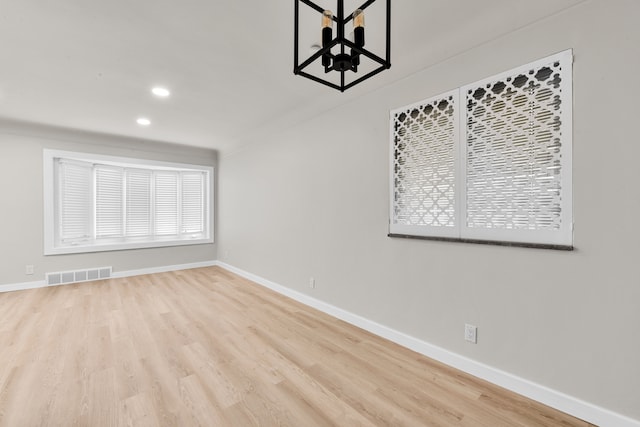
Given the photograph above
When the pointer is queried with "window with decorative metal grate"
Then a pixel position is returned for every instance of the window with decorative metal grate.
(488, 162)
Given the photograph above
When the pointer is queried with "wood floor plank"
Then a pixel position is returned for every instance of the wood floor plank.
(207, 347)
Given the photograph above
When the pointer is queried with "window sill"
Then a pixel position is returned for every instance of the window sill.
(487, 242)
(79, 249)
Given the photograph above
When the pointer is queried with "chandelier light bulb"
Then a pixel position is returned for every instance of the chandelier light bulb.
(358, 18)
(327, 19)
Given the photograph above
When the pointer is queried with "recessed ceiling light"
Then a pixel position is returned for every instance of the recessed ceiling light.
(143, 121)
(161, 91)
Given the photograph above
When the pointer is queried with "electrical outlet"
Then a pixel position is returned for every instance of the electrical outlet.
(471, 333)
(312, 283)
(28, 269)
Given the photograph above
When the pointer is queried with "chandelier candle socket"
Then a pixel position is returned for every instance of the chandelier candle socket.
(339, 56)
(327, 35)
(358, 36)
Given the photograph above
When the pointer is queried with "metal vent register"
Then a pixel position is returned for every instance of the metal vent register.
(65, 277)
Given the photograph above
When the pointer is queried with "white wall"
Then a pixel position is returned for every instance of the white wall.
(21, 212)
(312, 200)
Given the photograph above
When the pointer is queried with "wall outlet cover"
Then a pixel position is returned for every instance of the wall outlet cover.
(471, 333)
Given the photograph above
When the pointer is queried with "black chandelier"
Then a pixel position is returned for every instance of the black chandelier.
(339, 54)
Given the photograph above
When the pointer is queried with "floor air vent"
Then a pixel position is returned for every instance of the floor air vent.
(64, 277)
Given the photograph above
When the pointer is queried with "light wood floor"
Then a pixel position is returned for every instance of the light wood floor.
(206, 347)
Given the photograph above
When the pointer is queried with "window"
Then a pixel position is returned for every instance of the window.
(99, 203)
(490, 161)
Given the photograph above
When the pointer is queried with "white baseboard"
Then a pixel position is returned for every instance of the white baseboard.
(555, 399)
(22, 286)
(163, 269)
(116, 274)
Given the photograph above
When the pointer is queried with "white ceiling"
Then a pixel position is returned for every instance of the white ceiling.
(90, 64)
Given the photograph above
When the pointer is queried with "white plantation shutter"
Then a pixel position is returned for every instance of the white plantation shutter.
(75, 183)
(166, 203)
(95, 203)
(109, 201)
(192, 202)
(138, 202)
(501, 171)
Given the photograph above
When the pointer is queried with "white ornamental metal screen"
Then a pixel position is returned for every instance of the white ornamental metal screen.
(488, 161)
(423, 182)
(513, 150)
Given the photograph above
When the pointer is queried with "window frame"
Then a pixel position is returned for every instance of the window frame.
(52, 244)
(553, 239)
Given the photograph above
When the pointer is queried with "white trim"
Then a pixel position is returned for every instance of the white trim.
(108, 247)
(24, 286)
(163, 269)
(120, 160)
(114, 275)
(555, 399)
